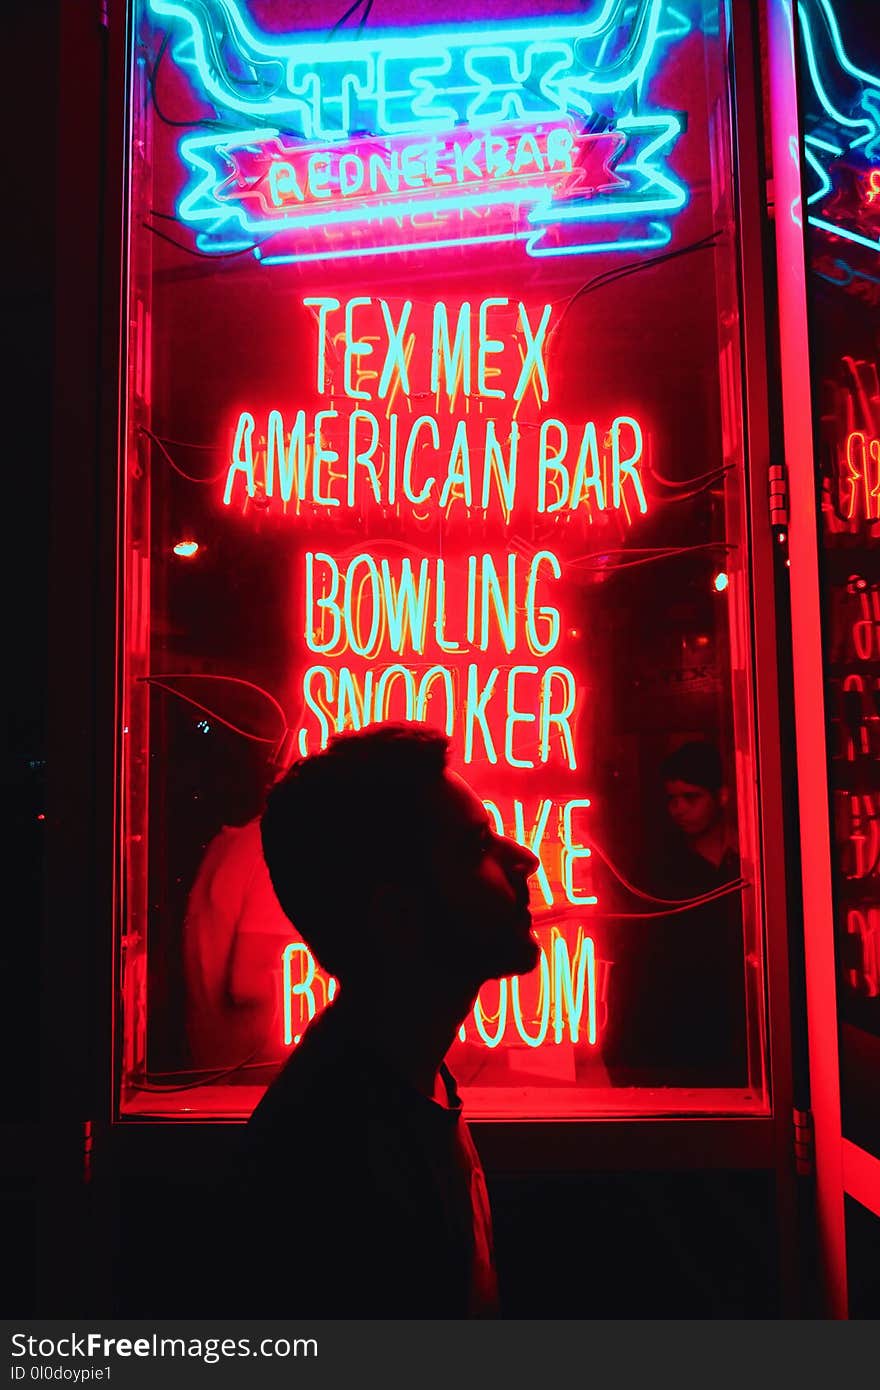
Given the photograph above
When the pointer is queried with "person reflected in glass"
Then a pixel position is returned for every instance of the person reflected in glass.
(702, 852)
(234, 934)
(679, 1005)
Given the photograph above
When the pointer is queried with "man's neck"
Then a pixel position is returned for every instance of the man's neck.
(412, 1032)
(712, 844)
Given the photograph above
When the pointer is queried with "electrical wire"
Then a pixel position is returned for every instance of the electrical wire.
(653, 550)
(694, 491)
(160, 683)
(708, 896)
(207, 122)
(687, 905)
(356, 4)
(648, 558)
(202, 255)
(608, 277)
(208, 1078)
(633, 564)
(689, 482)
(182, 443)
(160, 445)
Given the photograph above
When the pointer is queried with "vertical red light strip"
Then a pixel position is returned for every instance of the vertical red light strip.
(861, 1171)
(806, 636)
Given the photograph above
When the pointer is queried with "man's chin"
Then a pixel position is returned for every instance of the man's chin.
(519, 959)
(531, 955)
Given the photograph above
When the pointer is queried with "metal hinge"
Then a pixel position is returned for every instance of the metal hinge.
(104, 13)
(778, 495)
(88, 1142)
(804, 1142)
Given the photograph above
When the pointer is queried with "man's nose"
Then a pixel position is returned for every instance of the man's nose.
(524, 860)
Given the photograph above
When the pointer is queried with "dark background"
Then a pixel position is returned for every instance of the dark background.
(667, 1245)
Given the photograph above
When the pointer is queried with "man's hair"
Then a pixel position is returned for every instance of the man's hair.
(698, 763)
(344, 821)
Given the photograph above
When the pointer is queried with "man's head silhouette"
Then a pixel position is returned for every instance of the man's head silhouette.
(388, 865)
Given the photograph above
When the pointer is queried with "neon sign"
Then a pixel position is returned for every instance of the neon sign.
(435, 422)
(862, 480)
(281, 182)
(863, 928)
(859, 834)
(428, 483)
(842, 139)
(851, 494)
(537, 133)
(865, 630)
(858, 838)
(567, 998)
(368, 460)
(477, 467)
(445, 627)
(851, 509)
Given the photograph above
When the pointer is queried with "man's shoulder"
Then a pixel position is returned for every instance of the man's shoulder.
(320, 1084)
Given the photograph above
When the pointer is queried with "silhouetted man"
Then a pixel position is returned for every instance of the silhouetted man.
(367, 1195)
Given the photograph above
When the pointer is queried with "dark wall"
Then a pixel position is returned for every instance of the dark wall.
(603, 1245)
(26, 306)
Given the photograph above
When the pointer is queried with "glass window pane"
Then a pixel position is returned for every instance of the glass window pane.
(433, 412)
(839, 90)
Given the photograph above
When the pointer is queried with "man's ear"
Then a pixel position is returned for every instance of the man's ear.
(390, 914)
